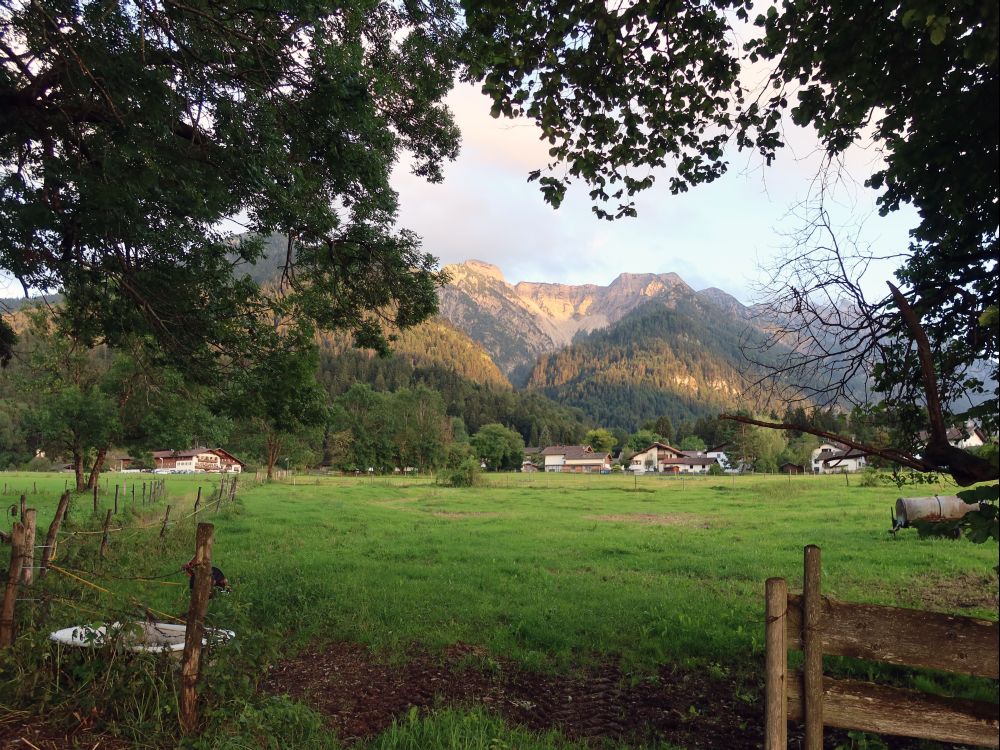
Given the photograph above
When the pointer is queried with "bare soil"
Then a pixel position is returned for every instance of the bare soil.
(965, 591)
(360, 695)
(35, 733)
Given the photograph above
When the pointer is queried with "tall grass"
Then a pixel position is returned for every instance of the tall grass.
(552, 571)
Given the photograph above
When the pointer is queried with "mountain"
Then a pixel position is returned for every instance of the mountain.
(518, 323)
(435, 342)
(642, 346)
(682, 360)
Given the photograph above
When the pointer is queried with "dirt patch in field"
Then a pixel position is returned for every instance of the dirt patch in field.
(964, 591)
(463, 514)
(360, 695)
(656, 519)
(34, 733)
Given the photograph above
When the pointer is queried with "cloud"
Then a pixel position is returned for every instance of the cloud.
(720, 234)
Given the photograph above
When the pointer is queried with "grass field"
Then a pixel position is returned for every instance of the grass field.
(554, 573)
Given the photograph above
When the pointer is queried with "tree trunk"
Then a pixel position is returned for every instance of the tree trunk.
(81, 483)
(273, 449)
(95, 472)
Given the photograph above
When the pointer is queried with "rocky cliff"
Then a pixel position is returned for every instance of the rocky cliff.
(518, 323)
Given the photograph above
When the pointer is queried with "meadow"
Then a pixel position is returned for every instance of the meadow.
(551, 575)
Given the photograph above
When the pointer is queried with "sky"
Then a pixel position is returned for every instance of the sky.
(720, 235)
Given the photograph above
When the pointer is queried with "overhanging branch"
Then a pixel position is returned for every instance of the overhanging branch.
(890, 454)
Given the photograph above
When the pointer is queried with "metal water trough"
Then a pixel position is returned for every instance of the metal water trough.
(935, 509)
(137, 636)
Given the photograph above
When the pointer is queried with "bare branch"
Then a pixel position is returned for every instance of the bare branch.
(890, 454)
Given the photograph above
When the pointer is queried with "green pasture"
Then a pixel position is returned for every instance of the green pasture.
(553, 571)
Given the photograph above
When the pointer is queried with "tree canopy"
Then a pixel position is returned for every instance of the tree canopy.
(131, 131)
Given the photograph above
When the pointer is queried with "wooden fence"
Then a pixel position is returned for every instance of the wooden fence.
(908, 637)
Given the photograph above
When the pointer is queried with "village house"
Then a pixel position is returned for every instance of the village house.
(579, 459)
(834, 458)
(215, 460)
(971, 436)
(663, 458)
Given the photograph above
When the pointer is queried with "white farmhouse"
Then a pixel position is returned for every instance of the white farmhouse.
(833, 458)
(579, 459)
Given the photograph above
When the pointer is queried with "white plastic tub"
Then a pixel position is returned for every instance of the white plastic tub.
(139, 636)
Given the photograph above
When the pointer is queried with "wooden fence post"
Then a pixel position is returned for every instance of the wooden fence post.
(197, 502)
(776, 665)
(194, 632)
(166, 517)
(812, 649)
(104, 537)
(143, 493)
(133, 494)
(13, 579)
(50, 538)
(24, 506)
(116, 499)
(95, 498)
(28, 518)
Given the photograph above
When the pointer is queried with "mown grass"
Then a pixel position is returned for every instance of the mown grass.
(555, 572)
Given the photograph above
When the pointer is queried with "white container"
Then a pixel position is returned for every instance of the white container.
(138, 636)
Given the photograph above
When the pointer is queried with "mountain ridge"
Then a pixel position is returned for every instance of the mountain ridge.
(520, 323)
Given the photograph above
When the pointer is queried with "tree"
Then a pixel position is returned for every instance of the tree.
(130, 131)
(278, 400)
(365, 414)
(800, 449)
(665, 428)
(76, 421)
(693, 443)
(639, 441)
(499, 446)
(71, 414)
(420, 428)
(756, 448)
(619, 89)
(600, 440)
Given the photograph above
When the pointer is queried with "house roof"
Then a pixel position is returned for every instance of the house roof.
(188, 453)
(223, 453)
(569, 451)
(835, 456)
(662, 446)
(955, 434)
(591, 457)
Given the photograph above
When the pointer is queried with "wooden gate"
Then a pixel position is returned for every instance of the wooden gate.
(907, 637)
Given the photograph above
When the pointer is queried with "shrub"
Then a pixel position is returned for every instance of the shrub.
(872, 477)
(715, 470)
(40, 463)
(466, 474)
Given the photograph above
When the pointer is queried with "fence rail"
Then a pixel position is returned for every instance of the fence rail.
(907, 637)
